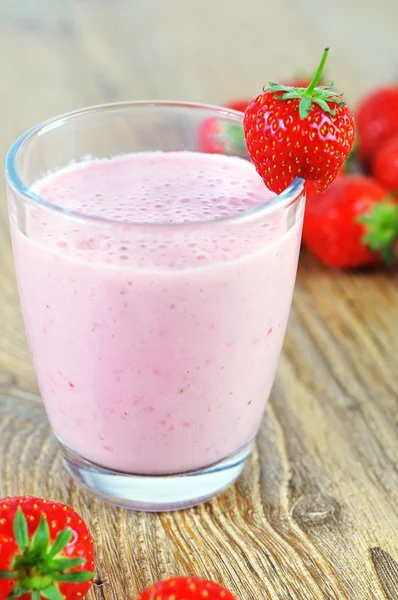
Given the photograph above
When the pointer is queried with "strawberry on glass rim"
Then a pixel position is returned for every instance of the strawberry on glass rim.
(45, 549)
(299, 132)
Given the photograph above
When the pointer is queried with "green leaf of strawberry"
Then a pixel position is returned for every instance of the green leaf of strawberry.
(41, 538)
(18, 591)
(299, 132)
(381, 228)
(75, 577)
(61, 564)
(52, 593)
(63, 538)
(21, 531)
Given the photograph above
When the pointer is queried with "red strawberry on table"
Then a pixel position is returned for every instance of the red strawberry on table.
(377, 120)
(45, 549)
(351, 224)
(299, 132)
(186, 588)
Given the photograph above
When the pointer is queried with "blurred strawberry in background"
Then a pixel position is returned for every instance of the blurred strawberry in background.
(352, 224)
(218, 136)
(385, 164)
(377, 120)
(209, 139)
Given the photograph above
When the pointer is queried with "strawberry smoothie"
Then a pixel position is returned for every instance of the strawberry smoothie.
(156, 317)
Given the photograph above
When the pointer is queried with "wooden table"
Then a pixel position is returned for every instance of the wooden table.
(315, 515)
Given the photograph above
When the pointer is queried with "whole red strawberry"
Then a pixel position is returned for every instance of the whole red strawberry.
(298, 132)
(186, 588)
(352, 223)
(45, 548)
(377, 120)
(385, 164)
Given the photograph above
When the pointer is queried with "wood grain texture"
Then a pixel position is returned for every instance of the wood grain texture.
(315, 515)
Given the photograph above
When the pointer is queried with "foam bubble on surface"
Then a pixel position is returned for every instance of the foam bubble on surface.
(149, 188)
(155, 187)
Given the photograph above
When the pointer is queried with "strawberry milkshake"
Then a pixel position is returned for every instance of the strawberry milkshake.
(156, 296)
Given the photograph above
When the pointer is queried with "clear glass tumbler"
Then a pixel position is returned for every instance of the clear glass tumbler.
(155, 344)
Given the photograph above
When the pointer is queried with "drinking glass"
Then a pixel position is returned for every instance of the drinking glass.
(155, 344)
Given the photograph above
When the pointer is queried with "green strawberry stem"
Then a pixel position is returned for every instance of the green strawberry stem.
(318, 73)
(39, 565)
(323, 96)
(303, 76)
(381, 229)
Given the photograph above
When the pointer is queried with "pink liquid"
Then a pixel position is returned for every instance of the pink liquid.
(155, 348)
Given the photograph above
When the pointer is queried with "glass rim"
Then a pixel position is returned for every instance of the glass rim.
(281, 201)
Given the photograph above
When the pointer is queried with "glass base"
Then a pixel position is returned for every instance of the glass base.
(156, 493)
